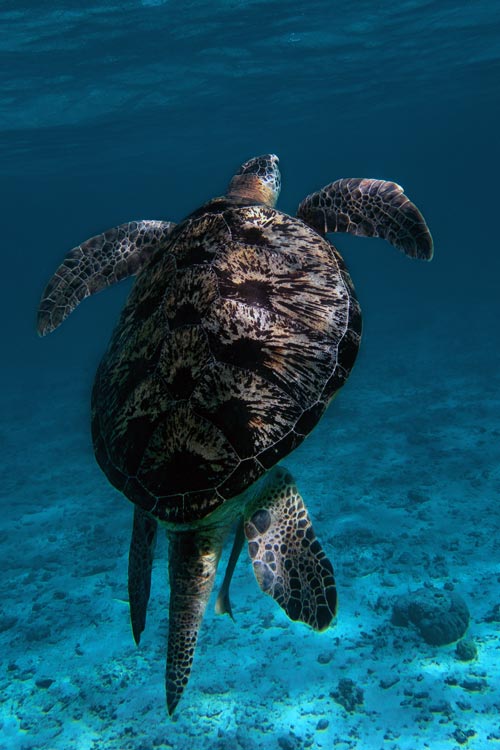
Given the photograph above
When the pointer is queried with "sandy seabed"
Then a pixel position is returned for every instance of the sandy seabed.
(401, 478)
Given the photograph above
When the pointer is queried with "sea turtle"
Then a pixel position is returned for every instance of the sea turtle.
(239, 330)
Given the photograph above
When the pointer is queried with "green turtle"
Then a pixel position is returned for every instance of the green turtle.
(240, 328)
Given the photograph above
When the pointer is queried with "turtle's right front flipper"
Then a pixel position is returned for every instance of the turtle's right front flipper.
(96, 264)
(369, 208)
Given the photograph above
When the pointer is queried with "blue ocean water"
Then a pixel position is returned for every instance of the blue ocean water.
(113, 112)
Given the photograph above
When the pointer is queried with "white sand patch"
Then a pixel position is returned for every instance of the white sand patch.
(401, 480)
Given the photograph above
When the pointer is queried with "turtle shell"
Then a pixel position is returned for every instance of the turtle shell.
(235, 337)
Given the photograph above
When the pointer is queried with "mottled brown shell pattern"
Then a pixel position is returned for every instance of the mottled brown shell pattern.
(234, 339)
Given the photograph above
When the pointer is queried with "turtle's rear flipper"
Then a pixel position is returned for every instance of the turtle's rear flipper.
(369, 208)
(288, 561)
(192, 560)
(140, 564)
(96, 264)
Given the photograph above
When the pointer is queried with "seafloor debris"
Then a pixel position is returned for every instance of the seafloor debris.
(440, 616)
(348, 694)
(466, 650)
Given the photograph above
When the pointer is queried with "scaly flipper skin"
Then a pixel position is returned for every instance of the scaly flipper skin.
(193, 558)
(369, 208)
(288, 561)
(96, 264)
(223, 603)
(140, 564)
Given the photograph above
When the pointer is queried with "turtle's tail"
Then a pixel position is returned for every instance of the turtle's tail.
(193, 558)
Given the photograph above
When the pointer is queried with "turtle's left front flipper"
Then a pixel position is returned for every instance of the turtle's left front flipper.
(96, 264)
(369, 208)
(288, 561)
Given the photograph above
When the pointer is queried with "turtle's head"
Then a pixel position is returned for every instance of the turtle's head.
(258, 179)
